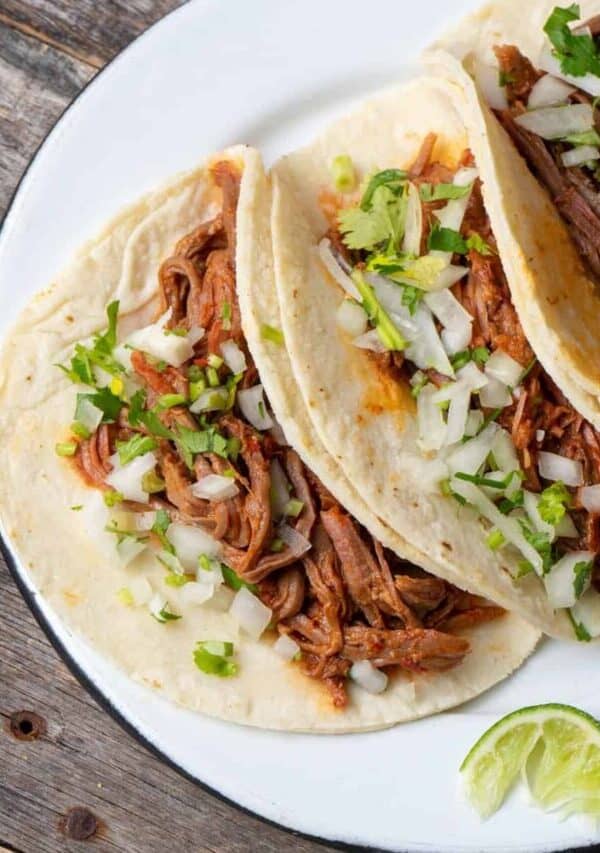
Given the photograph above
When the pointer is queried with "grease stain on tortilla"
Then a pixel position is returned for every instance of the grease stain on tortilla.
(71, 598)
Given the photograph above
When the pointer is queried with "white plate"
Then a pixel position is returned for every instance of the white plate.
(269, 73)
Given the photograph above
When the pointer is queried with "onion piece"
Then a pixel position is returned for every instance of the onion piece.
(250, 613)
(487, 78)
(190, 543)
(501, 366)
(559, 582)
(456, 320)
(509, 527)
(549, 91)
(557, 122)
(334, 269)
(233, 357)
(504, 452)
(128, 549)
(285, 647)
(579, 155)
(495, 395)
(457, 414)
(565, 529)
(280, 489)
(588, 82)
(586, 612)
(390, 295)
(127, 479)
(471, 376)
(371, 341)
(540, 435)
(295, 541)
(470, 456)
(171, 562)
(427, 350)
(430, 421)
(197, 593)
(252, 403)
(474, 422)
(413, 228)
(88, 414)
(143, 520)
(449, 276)
(140, 590)
(351, 318)
(156, 340)
(211, 400)
(590, 498)
(195, 334)
(215, 487)
(554, 467)
(368, 677)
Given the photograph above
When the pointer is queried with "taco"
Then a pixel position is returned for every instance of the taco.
(411, 338)
(190, 525)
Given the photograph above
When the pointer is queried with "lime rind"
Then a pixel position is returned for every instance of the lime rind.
(553, 748)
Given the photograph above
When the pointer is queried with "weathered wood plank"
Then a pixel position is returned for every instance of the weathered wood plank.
(89, 31)
(36, 84)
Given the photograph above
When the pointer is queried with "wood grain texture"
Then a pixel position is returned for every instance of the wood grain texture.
(49, 49)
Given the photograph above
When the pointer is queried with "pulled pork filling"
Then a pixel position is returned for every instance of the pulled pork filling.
(190, 412)
(438, 314)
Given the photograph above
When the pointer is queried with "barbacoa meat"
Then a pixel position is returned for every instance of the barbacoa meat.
(347, 598)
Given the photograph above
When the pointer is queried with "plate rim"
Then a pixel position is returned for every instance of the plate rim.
(17, 573)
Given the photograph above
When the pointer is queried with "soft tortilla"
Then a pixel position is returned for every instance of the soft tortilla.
(367, 422)
(75, 569)
(558, 305)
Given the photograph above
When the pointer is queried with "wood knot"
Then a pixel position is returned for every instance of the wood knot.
(26, 725)
(79, 823)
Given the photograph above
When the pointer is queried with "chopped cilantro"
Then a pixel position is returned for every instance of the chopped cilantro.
(507, 505)
(106, 401)
(165, 615)
(411, 296)
(394, 179)
(77, 507)
(112, 498)
(578, 54)
(234, 581)
(213, 658)
(270, 333)
(202, 441)
(99, 354)
(505, 78)
(553, 503)
(480, 355)
(378, 220)
(134, 447)
(78, 429)
(581, 632)
(541, 543)
(486, 481)
(583, 573)
(390, 336)
(160, 527)
(148, 418)
(461, 358)
(449, 240)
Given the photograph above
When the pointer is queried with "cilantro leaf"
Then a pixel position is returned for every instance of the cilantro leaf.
(393, 179)
(411, 296)
(136, 446)
(445, 240)
(583, 573)
(381, 224)
(160, 527)
(476, 243)
(553, 503)
(108, 403)
(581, 632)
(541, 543)
(234, 581)
(148, 418)
(578, 54)
(441, 192)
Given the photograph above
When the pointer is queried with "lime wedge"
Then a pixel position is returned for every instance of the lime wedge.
(554, 748)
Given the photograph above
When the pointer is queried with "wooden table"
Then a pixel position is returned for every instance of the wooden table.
(70, 754)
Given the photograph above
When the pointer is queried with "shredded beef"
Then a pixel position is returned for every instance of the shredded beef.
(519, 75)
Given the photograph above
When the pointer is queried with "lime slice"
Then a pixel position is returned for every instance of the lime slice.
(556, 750)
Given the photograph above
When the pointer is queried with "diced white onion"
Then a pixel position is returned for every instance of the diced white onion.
(155, 340)
(579, 155)
(504, 452)
(487, 78)
(549, 91)
(140, 590)
(371, 341)
(588, 82)
(559, 581)
(128, 479)
(213, 399)
(368, 677)
(586, 612)
(171, 561)
(195, 334)
(215, 487)
(233, 357)
(280, 489)
(457, 415)
(196, 593)
(456, 320)
(427, 349)
(530, 502)
(252, 403)
(123, 354)
(143, 520)
(190, 543)
(156, 604)
(540, 435)
(554, 467)
(590, 498)
(430, 421)
(471, 376)
(566, 528)
(222, 599)
(294, 540)
(390, 295)
(449, 276)
(351, 318)
(286, 648)
(128, 549)
(557, 122)
(334, 269)
(474, 422)
(88, 414)
(250, 613)
(212, 576)
(471, 455)
(509, 527)
(495, 394)
(501, 366)
(413, 227)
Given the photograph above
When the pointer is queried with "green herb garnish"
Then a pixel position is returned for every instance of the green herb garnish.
(553, 503)
(213, 658)
(577, 54)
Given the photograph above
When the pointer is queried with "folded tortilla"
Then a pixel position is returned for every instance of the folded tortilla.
(55, 522)
(367, 420)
